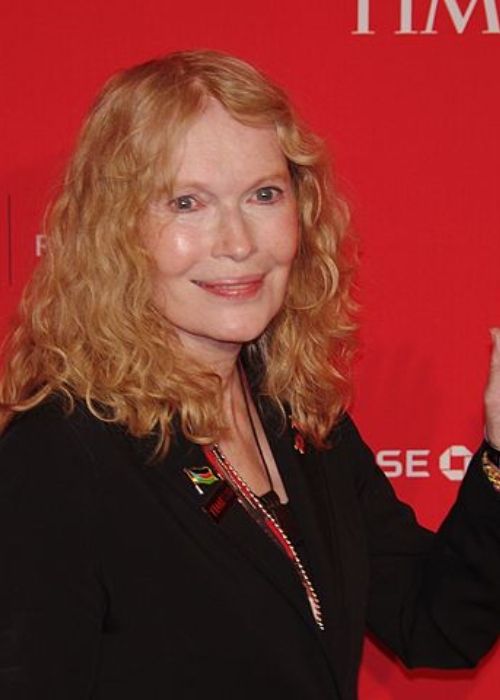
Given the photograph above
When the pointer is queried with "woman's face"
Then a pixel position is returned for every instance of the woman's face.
(225, 240)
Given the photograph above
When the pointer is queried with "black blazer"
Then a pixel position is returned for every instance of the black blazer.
(116, 585)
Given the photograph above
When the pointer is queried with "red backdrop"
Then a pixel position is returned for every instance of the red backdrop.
(406, 94)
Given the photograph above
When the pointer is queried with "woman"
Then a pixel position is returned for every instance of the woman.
(186, 507)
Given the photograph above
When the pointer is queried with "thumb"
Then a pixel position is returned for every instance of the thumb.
(492, 392)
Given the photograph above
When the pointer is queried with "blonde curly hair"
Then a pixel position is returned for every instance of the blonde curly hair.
(88, 328)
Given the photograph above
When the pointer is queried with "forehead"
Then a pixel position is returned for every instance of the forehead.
(218, 146)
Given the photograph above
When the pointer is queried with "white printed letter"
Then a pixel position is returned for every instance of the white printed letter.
(40, 244)
(406, 18)
(461, 19)
(363, 18)
(413, 461)
(391, 467)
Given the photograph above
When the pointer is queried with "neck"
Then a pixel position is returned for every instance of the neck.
(222, 358)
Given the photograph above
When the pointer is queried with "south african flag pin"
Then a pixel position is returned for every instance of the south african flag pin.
(201, 476)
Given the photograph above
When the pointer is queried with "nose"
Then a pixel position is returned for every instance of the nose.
(234, 237)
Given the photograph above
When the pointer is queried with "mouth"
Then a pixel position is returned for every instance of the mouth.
(233, 288)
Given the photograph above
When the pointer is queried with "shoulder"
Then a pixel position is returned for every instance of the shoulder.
(48, 441)
(349, 455)
(344, 428)
(53, 426)
(346, 438)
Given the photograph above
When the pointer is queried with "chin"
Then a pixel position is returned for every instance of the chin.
(245, 327)
(241, 334)
(234, 330)
(241, 338)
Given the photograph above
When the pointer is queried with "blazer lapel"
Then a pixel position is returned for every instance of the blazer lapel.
(176, 490)
(294, 468)
(303, 478)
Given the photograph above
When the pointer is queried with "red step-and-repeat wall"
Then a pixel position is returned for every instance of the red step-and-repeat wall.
(406, 94)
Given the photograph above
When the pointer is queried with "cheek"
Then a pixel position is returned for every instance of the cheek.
(175, 252)
(287, 243)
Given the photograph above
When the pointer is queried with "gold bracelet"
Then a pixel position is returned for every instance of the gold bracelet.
(491, 471)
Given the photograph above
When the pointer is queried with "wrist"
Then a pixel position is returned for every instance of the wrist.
(491, 440)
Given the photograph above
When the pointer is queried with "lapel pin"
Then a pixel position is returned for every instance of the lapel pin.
(219, 501)
(298, 439)
(201, 476)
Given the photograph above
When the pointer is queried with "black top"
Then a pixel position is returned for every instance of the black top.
(283, 513)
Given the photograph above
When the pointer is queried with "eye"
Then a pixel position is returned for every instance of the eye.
(184, 203)
(268, 195)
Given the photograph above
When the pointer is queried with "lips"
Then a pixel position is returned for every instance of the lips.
(234, 288)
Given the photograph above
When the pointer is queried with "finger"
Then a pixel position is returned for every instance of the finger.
(495, 353)
(494, 369)
(494, 373)
(492, 392)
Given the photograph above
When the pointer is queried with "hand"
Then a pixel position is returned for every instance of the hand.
(492, 393)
